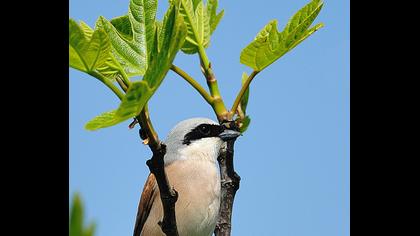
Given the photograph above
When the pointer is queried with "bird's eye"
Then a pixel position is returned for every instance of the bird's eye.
(205, 129)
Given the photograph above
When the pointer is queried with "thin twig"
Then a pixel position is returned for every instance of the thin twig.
(156, 165)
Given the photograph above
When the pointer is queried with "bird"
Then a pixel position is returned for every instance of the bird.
(192, 148)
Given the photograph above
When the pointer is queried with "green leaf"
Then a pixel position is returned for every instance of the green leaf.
(214, 18)
(191, 42)
(90, 50)
(245, 124)
(133, 102)
(244, 100)
(201, 21)
(243, 119)
(131, 105)
(86, 30)
(133, 51)
(76, 227)
(111, 69)
(104, 120)
(196, 2)
(76, 217)
(296, 27)
(90, 230)
(202, 24)
(270, 44)
(87, 51)
(123, 25)
(170, 37)
(142, 15)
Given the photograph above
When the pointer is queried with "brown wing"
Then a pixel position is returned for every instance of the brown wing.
(146, 202)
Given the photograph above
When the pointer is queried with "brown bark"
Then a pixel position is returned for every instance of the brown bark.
(229, 185)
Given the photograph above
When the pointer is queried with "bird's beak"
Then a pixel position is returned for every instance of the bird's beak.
(228, 134)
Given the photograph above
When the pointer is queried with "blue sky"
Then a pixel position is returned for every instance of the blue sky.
(294, 158)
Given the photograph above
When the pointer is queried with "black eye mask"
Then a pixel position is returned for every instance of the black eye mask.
(202, 131)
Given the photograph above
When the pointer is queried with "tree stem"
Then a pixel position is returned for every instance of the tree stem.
(229, 185)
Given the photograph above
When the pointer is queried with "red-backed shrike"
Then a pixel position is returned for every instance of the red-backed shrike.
(192, 148)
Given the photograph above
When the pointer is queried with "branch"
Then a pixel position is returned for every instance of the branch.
(156, 165)
(241, 93)
(230, 184)
(193, 83)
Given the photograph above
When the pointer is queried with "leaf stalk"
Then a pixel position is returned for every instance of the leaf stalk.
(241, 93)
(193, 83)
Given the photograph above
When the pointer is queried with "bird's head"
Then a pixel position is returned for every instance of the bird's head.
(196, 138)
